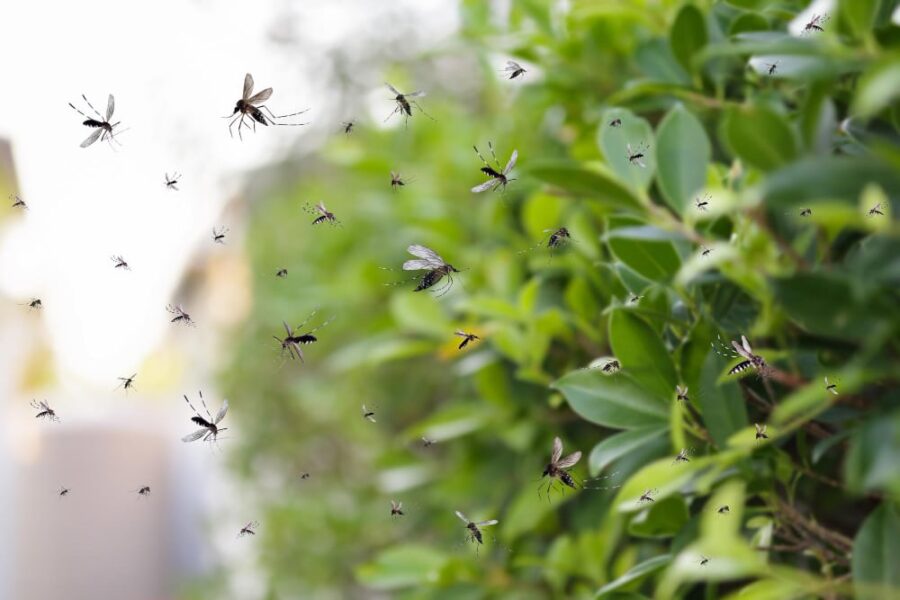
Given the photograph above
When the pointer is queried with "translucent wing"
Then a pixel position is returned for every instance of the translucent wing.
(91, 138)
(416, 265)
(512, 162)
(629, 150)
(393, 89)
(640, 162)
(746, 345)
(463, 517)
(110, 107)
(569, 461)
(416, 94)
(44, 405)
(739, 349)
(195, 436)
(460, 333)
(760, 428)
(557, 450)
(427, 254)
(512, 65)
(490, 183)
(248, 86)
(287, 328)
(487, 523)
(221, 414)
(321, 207)
(260, 97)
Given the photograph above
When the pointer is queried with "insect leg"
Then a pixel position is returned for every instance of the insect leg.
(78, 111)
(92, 107)
(422, 110)
(497, 162)
(396, 108)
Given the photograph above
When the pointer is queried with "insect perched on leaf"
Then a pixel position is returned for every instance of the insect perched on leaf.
(219, 234)
(252, 106)
(474, 534)
(294, 339)
(806, 212)
(723, 510)
(249, 529)
(831, 387)
(281, 273)
(63, 491)
(348, 126)
(396, 508)
(467, 337)
(771, 67)
(209, 425)
(44, 411)
(498, 178)
(127, 382)
(404, 104)
(180, 315)
(557, 467)
(103, 128)
(427, 442)
(615, 123)
(119, 262)
(816, 23)
(368, 414)
(636, 156)
(18, 202)
(682, 456)
(761, 431)
(172, 182)
(753, 361)
(647, 496)
(681, 393)
(435, 266)
(514, 69)
(323, 214)
(703, 560)
(144, 491)
(702, 202)
(875, 210)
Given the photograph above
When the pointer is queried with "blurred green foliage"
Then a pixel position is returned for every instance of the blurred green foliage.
(817, 296)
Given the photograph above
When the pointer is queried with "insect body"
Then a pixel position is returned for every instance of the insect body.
(771, 67)
(681, 393)
(397, 181)
(611, 367)
(427, 442)
(761, 431)
(368, 414)
(102, 126)
(172, 182)
(63, 491)
(498, 178)
(44, 411)
(144, 491)
(35, 304)
(615, 123)
(467, 337)
(559, 238)
(704, 251)
(474, 534)
(435, 266)
(404, 104)
(875, 210)
(209, 427)
(120, 263)
(702, 202)
(831, 387)
(753, 361)
(514, 69)
(248, 529)
(636, 156)
(723, 510)
(18, 202)
(251, 105)
(557, 467)
(324, 214)
(703, 560)
(816, 23)
(647, 496)
(806, 212)
(682, 456)
(281, 273)
(180, 315)
(218, 234)
(304, 475)
(127, 382)
(348, 127)
(294, 339)
(396, 508)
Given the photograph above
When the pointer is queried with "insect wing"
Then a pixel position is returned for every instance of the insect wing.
(512, 162)
(248, 86)
(393, 89)
(429, 255)
(260, 97)
(487, 523)
(416, 94)
(746, 345)
(557, 450)
(569, 461)
(416, 265)
(287, 328)
(195, 436)
(221, 414)
(463, 517)
(91, 138)
(490, 183)
(110, 107)
(739, 349)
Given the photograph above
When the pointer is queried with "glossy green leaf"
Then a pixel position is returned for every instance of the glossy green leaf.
(878, 88)
(663, 518)
(596, 182)
(859, 15)
(683, 151)
(760, 136)
(641, 351)
(624, 444)
(401, 567)
(616, 400)
(688, 35)
(875, 553)
(872, 457)
(722, 405)
(656, 261)
(635, 573)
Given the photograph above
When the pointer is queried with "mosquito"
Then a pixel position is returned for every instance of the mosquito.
(404, 104)
(127, 382)
(753, 361)
(636, 156)
(816, 23)
(723, 510)
(682, 456)
(397, 181)
(806, 212)
(435, 266)
(172, 182)
(44, 411)
(612, 366)
(514, 69)
(218, 234)
(209, 428)
(704, 251)
(324, 214)
(180, 315)
(875, 210)
(119, 262)
(35, 304)
(558, 467)
(761, 431)
(702, 202)
(368, 414)
(647, 496)
(249, 529)
(681, 393)
(772, 67)
(63, 491)
(615, 123)
(144, 491)
(294, 339)
(634, 299)
(396, 508)
(467, 337)
(348, 126)
(281, 273)
(831, 387)
(103, 127)
(18, 202)
(703, 560)
(498, 179)
(474, 533)
(427, 442)
(252, 106)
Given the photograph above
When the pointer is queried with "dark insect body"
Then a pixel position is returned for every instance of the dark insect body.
(647, 496)
(636, 156)
(172, 182)
(435, 266)
(248, 529)
(499, 177)
(368, 414)
(723, 510)
(348, 127)
(702, 202)
(704, 251)
(281, 273)
(127, 382)
(63, 491)
(405, 105)
(102, 126)
(611, 367)
(44, 411)
(753, 361)
(875, 210)
(292, 341)
(466, 338)
(806, 212)
(514, 69)
(144, 491)
(682, 456)
(180, 315)
(558, 467)
(120, 263)
(681, 393)
(816, 23)
(772, 67)
(831, 387)
(474, 529)
(397, 181)
(35, 304)
(304, 475)
(615, 123)
(426, 442)
(251, 105)
(559, 238)
(219, 234)
(396, 509)
(209, 427)
(323, 214)
(18, 202)
(761, 431)
(703, 560)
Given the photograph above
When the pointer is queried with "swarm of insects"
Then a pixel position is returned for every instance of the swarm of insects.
(249, 529)
(103, 128)
(368, 414)
(831, 387)
(474, 529)
(18, 202)
(119, 263)
(615, 123)
(180, 316)
(323, 214)
(209, 426)
(702, 202)
(498, 178)
(144, 491)
(466, 338)
(396, 508)
(127, 382)
(816, 23)
(218, 234)
(435, 266)
(761, 431)
(752, 361)
(636, 155)
(293, 340)
(723, 510)
(513, 69)
(557, 468)
(682, 456)
(251, 105)
(405, 105)
(875, 210)
(681, 393)
(172, 181)
(44, 411)
(647, 496)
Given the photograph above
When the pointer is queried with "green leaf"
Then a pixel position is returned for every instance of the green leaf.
(688, 35)
(722, 406)
(878, 88)
(683, 151)
(655, 59)
(760, 136)
(860, 15)
(664, 518)
(402, 566)
(623, 444)
(875, 553)
(635, 573)
(615, 141)
(656, 261)
(828, 178)
(616, 401)
(641, 351)
(873, 456)
(597, 182)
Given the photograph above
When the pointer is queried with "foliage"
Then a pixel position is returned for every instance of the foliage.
(816, 295)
